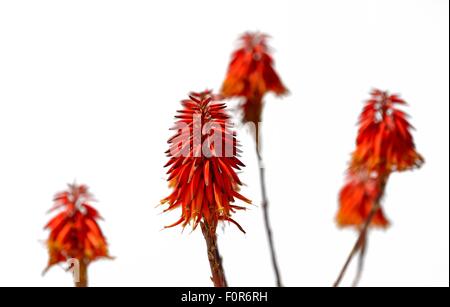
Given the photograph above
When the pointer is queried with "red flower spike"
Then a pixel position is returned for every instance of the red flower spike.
(384, 140)
(357, 197)
(74, 232)
(203, 177)
(251, 75)
(384, 145)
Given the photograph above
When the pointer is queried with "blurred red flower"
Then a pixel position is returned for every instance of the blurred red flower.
(384, 145)
(251, 75)
(362, 190)
(74, 232)
(203, 162)
(384, 142)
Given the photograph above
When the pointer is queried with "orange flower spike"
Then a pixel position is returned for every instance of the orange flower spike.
(384, 145)
(357, 198)
(384, 140)
(203, 159)
(251, 75)
(205, 182)
(74, 232)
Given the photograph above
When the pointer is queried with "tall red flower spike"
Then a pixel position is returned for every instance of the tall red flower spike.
(384, 145)
(74, 232)
(251, 75)
(203, 161)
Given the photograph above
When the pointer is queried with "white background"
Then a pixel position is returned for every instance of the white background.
(88, 90)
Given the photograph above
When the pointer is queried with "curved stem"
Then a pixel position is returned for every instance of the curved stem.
(360, 242)
(265, 207)
(215, 261)
(361, 259)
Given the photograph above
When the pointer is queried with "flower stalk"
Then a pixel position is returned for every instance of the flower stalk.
(215, 260)
(250, 76)
(267, 224)
(82, 281)
(357, 247)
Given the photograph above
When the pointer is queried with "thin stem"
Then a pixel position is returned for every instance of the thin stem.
(83, 275)
(363, 232)
(358, 243)
(265, 207)
(215, 261)
(361, 259)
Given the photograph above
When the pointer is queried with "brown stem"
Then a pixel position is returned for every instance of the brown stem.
(361, 258)
(265, 207)
(83, 275)
(215, 261)
(362, 234)
(358, 243)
